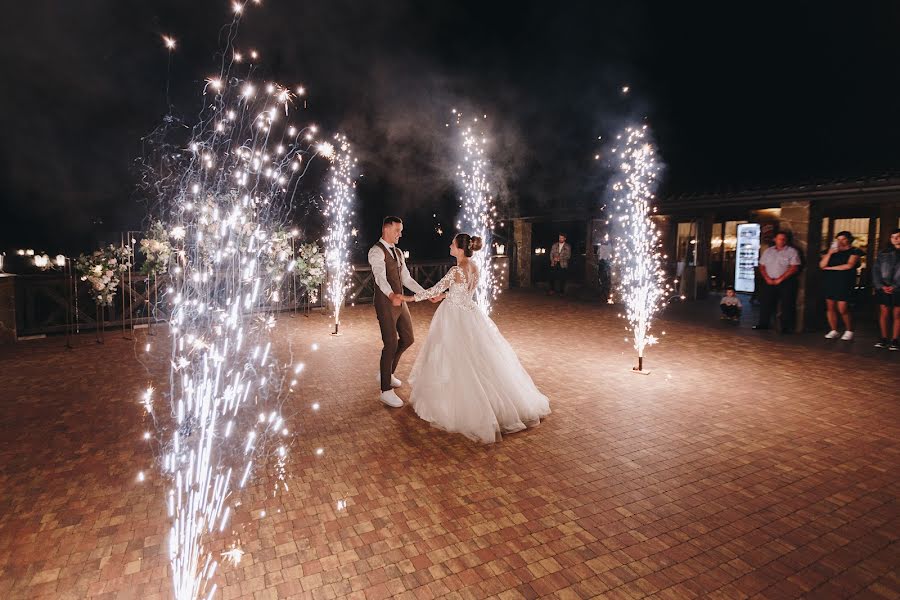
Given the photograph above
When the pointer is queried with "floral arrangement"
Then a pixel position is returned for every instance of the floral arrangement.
(103, 270)
(310, 268)
(278, 252)
(157, 250)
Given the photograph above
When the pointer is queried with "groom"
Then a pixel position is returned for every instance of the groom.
(391, 274)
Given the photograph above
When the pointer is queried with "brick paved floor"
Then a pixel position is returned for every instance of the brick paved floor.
(705, 313)
(741, 467)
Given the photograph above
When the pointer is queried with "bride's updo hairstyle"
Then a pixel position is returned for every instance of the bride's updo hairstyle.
(468, 243)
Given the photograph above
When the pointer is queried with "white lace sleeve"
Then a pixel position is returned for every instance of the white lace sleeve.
(453, 275)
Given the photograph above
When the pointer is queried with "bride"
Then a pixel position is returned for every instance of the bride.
(467, 379)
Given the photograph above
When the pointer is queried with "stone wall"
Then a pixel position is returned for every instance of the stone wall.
(522, 238)
(796, 219)
(7, 308)
(889, 214)
(591, 278)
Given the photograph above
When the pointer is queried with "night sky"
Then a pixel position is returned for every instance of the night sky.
(737, 95)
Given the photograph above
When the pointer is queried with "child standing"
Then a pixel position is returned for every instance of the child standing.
(730, 305)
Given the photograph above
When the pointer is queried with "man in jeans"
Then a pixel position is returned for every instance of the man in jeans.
(778, 267)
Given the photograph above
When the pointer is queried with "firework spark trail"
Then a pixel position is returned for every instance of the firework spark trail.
(225, 195)
(338, 209)
(478, 211)
(637, 259)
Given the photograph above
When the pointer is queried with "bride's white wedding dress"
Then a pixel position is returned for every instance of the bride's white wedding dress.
(467, 379)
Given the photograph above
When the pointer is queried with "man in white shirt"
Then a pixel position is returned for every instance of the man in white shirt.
(778, 267)
(391, 275)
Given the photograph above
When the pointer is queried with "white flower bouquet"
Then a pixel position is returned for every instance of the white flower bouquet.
(103, 270)
(157, 250)
(278, 252)
(310, 268)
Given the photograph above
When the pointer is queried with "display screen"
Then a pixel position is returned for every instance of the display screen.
(747, 257)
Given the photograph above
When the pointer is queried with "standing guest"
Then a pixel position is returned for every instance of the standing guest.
(560, 254)
(604, 256)
(839, 265)
(778, 266)
(730, 305)
(886, 281)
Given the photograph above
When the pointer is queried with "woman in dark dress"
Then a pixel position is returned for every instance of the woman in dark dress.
(839, 265)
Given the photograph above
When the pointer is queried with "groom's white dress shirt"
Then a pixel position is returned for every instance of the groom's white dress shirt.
(379, 269)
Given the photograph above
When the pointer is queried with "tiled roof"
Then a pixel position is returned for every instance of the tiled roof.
(872, 183)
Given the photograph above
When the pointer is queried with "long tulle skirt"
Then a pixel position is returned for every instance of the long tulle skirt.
(467, 379)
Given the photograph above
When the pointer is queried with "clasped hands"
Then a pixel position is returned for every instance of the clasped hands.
(398, 299)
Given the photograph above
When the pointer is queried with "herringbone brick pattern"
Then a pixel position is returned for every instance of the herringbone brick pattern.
(740, 467)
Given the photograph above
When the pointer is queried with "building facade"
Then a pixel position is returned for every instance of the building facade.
(699, 235)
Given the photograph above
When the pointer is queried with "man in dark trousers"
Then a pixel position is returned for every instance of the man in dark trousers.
(778, 267)
(391, 275)
(560, 254)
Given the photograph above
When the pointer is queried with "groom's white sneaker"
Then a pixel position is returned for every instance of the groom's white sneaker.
(391, 398)
(395, 383)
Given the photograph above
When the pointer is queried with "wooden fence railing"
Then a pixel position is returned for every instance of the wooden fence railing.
(47, 302)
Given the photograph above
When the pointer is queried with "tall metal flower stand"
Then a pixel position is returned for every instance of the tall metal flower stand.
(152, 284)
(126, 283)
(101, 325)
(71, 317)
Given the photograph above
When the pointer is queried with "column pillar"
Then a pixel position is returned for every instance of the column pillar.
(798, 219)
(704, 238)
(591, 277)
(888, 214)
(7, 308)
(522, 239)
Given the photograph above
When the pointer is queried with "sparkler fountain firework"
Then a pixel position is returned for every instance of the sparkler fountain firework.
(478, 211)
(224, 196)
(338, 209)
(641, 278)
